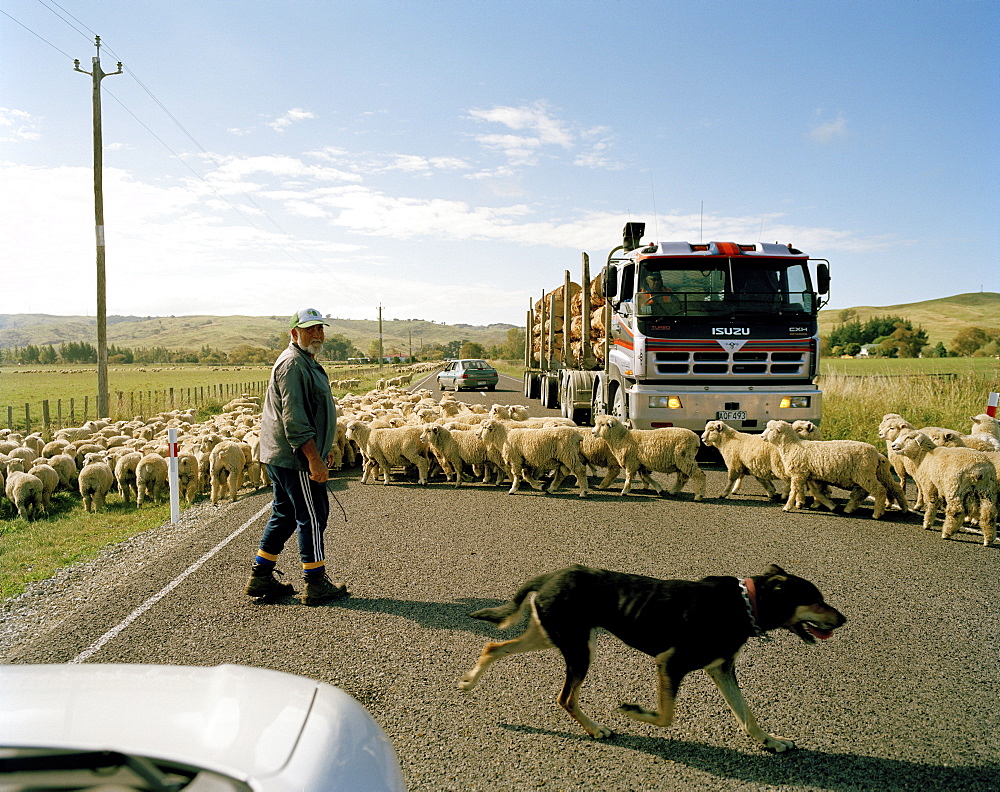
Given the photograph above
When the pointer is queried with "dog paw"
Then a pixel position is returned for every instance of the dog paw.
(467, 682)
(599, 731)
(636, 712)
(777, 744)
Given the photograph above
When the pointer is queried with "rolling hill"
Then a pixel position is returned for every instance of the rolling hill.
(227, 332)
(941, 319)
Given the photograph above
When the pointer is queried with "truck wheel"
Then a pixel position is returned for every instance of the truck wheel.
(620, 405)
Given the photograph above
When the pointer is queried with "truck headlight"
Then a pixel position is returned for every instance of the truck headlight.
(670, 402)
(795, 401)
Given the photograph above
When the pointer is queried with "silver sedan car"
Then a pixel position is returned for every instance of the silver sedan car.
(468, 374)
(198, 729)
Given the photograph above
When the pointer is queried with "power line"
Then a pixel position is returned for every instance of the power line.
(36, 35)
(296, 256)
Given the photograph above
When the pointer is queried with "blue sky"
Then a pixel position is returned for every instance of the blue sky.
(448, 160)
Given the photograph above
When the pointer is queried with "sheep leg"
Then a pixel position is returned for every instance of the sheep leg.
(772, 493)
(613, 470)
(931, 503)
(953, 513)
(560, 474)
(735, 479)
(819, 492)
(987, 519)
(650, 482)
(697, 475)
(628, 481)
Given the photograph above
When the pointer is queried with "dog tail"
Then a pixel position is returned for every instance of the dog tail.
(503, 616)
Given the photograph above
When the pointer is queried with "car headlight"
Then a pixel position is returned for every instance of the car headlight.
(795, 401)
(670, 402)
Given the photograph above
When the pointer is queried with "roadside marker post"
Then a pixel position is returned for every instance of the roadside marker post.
(175, 501)
(991, 405)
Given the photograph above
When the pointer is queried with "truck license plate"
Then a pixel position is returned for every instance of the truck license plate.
(731, 415)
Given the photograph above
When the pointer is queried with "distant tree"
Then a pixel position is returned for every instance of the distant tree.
(244, 354)
(30, 354)
(969, 339)
(373, 349)
(992, 349)
(452, 349)
(513, 347)
(904, 341)
(48, 354)
(938, 351)
(847, 315)
(471, 349)
(339, 347)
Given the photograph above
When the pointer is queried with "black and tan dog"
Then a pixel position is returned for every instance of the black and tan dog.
(684, 625)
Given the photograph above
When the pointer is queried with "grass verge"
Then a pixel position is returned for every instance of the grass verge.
(34, 550)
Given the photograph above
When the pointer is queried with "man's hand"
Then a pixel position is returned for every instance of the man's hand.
(317, 467)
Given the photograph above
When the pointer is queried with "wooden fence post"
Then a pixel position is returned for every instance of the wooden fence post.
(46, 428)
(27, 418)
(59, 413)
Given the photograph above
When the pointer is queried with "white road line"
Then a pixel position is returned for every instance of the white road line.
(96, 646)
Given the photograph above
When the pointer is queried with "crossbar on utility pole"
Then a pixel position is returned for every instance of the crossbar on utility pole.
(97, 75)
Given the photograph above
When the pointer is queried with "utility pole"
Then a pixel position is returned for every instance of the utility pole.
(102, 309)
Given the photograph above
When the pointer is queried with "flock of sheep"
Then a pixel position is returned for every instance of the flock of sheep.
(390, 428)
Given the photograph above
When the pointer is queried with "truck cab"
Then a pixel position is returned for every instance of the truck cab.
(710, 331)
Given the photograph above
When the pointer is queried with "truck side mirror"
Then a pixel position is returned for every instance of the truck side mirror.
(823, 278)
(609, 283)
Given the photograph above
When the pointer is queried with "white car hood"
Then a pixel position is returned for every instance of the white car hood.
(281, 730)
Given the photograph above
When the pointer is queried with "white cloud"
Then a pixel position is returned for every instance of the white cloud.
(17, 125)
(289, 118)
(828, 131)
(520, 149)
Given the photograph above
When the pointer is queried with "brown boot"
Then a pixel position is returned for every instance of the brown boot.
(264, 585)
(320, 589)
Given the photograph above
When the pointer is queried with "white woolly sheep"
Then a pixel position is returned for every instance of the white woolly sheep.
(848, 464)
(94, 481)
(65, 466)
(49, 478)
(455, 448)
(24, 490)
(124, 469)
(383, 449)
(745, 454)
(987, 428)
(150, 478)
(666, 450)
(517, 450)
(596, 454)
(950, 438)
(957, 475)
(227, 466)
(188, 476)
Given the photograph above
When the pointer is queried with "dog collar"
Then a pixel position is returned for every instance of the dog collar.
(749, 593)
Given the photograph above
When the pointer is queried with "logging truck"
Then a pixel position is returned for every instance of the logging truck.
(677, 334)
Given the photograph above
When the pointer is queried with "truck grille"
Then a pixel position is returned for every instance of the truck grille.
(706, 357)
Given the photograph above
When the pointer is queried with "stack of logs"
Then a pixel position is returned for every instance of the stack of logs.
(554, 311)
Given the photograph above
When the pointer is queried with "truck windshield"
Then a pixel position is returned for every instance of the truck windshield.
(701, 287)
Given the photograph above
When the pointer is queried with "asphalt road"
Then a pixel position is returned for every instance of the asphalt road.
(904, 696)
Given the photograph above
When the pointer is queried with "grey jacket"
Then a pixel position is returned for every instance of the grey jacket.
(298, 406)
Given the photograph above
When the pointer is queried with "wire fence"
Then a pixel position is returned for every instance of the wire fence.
(49, 416)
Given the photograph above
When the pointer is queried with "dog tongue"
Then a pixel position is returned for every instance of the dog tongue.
(818, 633)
